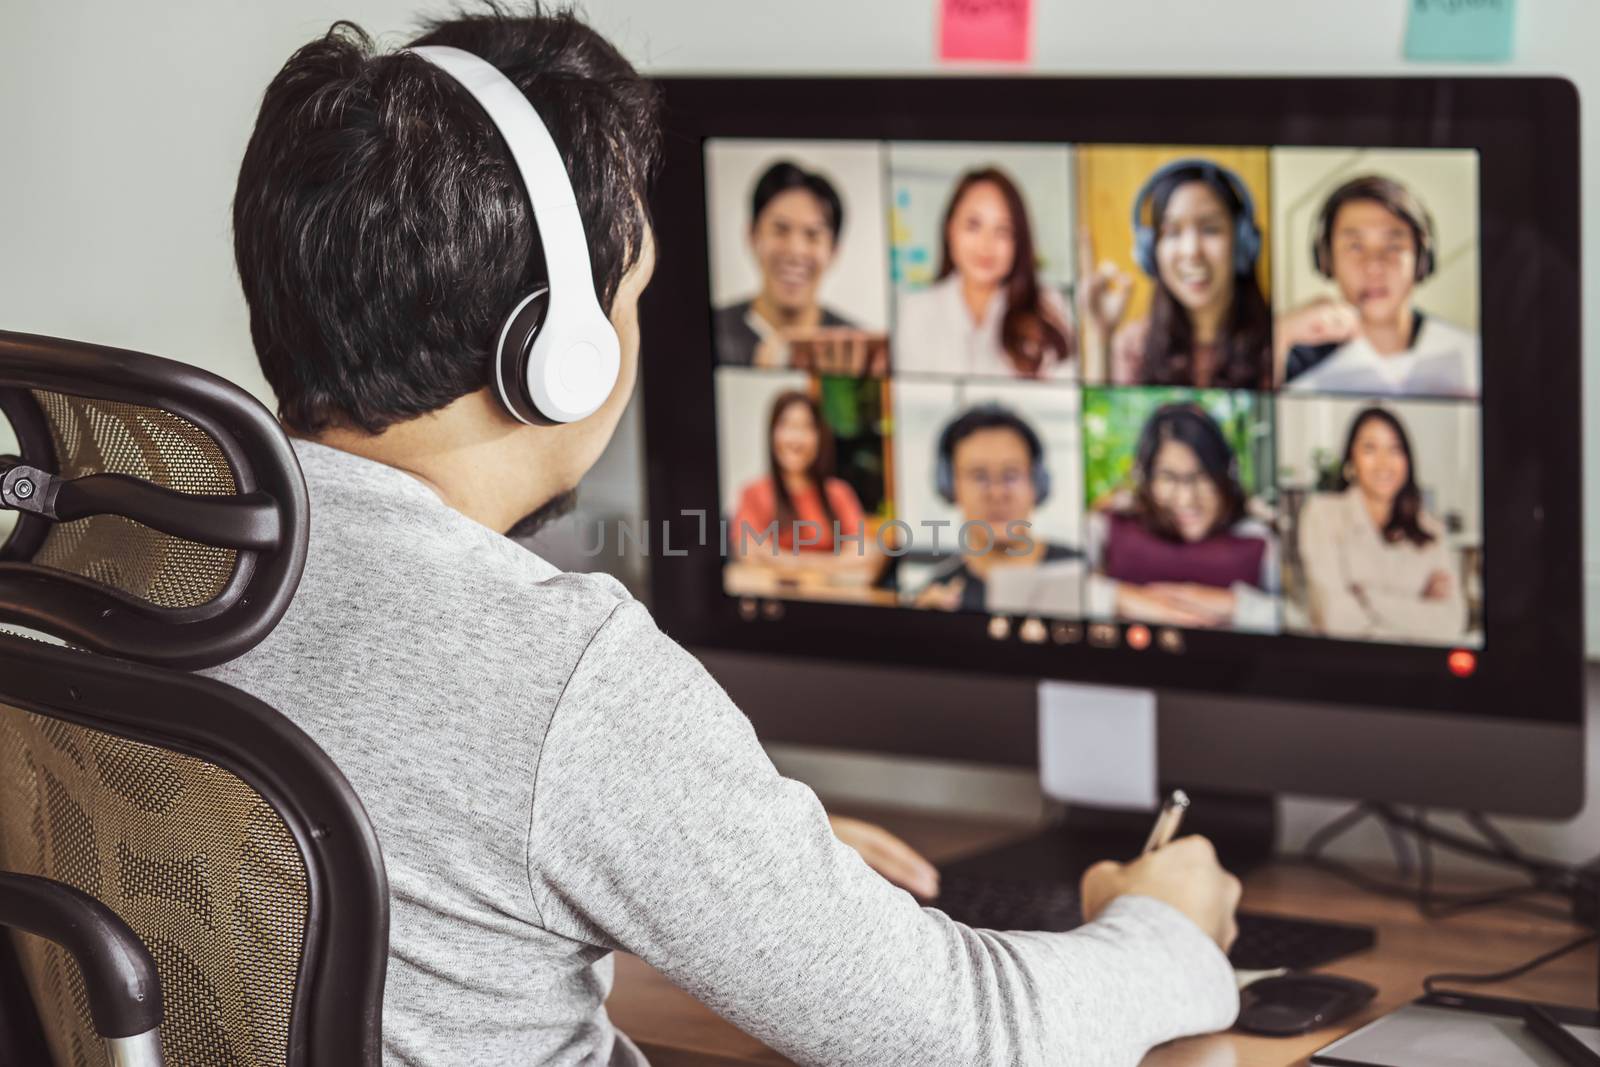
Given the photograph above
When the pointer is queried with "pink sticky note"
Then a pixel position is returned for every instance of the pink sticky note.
(996, 31)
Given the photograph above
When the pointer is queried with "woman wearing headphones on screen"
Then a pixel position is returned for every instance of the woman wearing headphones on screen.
(1376, 242)
(1209, 325)
(987, 313)
(794, 517)
(1183, 551)
(1376, 564)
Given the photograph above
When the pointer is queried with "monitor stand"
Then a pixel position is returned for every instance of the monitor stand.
(1097, 764)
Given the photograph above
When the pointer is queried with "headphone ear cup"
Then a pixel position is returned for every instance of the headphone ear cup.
(1144, 249)
(1246, 246)
(1425, 264)
(1041, 484)
(944, 479)
(515, 350)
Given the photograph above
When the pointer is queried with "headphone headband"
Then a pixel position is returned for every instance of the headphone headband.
(944, 474)
(1246, 234)
(557, 357)
(1405, 205)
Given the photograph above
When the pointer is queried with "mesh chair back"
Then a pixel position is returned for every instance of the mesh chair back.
(216, 829)
(92, 436)
(175, 586)
(193, 859)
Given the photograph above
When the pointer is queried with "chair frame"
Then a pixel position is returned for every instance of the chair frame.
(106, 620)
(336, 1018)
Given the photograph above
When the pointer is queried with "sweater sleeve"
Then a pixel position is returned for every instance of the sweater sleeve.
(1412, 617)
(660, 827)
(1335, 608)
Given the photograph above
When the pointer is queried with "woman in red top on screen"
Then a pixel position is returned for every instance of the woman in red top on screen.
(1183, 550)
(795, 515)
(1209, 325)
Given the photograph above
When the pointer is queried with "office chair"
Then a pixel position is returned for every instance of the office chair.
(172, 850)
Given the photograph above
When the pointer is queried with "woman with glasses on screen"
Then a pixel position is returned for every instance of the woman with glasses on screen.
(1209, 326)
(1377, 565)
(1184, 551)
(987, 312)
(800, 516)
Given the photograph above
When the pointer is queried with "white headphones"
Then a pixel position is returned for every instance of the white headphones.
(557, 358)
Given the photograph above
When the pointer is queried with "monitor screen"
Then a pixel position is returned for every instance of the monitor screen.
(1206, 409)
(1071, 383)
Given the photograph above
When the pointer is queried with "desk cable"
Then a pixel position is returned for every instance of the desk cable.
(1407, 831)
(1546, 878)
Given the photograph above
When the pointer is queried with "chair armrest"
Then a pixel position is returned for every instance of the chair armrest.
(119, 973)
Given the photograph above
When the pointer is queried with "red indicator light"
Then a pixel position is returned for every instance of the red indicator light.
(1138, 637)
(1462, 663)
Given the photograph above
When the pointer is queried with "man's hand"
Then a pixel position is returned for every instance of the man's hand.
(1184, 874)
(888, 855)
(841, 351)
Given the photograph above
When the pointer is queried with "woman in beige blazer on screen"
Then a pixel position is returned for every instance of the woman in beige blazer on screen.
(1376, 565)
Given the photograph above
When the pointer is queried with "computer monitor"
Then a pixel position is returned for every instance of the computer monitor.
(1260, 393)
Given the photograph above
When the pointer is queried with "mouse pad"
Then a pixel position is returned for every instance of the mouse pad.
(1454, 1031)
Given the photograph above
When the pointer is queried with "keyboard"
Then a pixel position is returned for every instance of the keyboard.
(1265, 941)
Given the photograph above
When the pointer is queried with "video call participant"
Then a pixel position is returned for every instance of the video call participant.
(1195, 234)
(1376, 242)
(991, 466)
(1377, 565)
(1184, 551)
(551, 777)
(987, 313)
(796, 218)
(800, 498)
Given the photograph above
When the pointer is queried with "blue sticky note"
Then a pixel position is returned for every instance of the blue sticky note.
(1460, 29)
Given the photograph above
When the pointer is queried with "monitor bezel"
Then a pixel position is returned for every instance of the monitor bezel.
(1526, 134)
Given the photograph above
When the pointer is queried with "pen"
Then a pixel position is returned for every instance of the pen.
(1168, 821)
(1557, 1038)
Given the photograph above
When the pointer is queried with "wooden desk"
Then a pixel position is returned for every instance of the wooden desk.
(675, 1030)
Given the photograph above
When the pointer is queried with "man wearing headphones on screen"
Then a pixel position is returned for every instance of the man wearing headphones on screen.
(444, 297)
(1376, 242)
(990, 464)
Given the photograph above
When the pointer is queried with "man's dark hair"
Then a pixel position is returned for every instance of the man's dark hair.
(783, 176)
(1388, 194)
(988, 417)
(381, 230)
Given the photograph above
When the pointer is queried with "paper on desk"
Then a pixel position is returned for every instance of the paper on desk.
(1097, 745)
(1460, 29)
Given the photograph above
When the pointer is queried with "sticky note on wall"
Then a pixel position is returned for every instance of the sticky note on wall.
(994, 31)
(1460, 29)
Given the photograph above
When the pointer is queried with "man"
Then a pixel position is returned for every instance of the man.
(1376, 242)
(550, 777)
(795, 220)
(991, 466)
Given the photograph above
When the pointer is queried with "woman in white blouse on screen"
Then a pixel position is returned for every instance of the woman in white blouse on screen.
(987, 313)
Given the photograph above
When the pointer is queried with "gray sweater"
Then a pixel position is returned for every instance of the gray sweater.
(553, 779)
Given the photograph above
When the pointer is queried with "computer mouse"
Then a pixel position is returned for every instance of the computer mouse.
(1297, 1003)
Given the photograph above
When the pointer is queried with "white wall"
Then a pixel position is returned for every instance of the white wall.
(122, 125)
